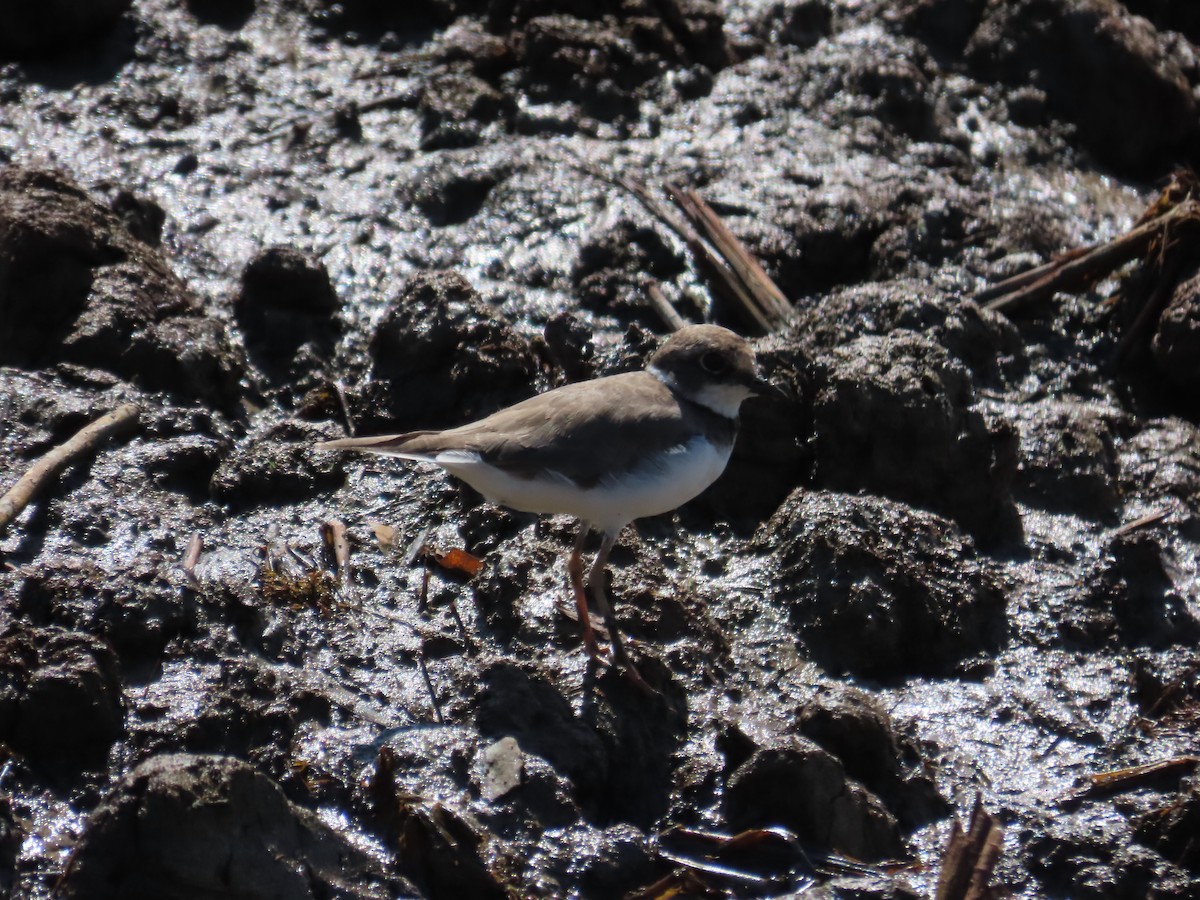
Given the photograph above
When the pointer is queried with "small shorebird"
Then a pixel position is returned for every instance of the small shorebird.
(605, 451)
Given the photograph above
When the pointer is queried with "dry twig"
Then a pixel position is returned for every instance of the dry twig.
(46, 468)
(1165, 238)
(663, 307)
(735, 274)
(971, 857)
(1104, 784)
(765, 295)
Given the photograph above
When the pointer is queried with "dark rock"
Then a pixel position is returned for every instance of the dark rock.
(1161, 462)
(455, 193)
(531, 710)
(60, 697)
(228, 14)
(857, 729)
(443, 357)
(287, 301)
(281, 278)
(1107, 71)
(828, 244)
(467, 44)
(243, 706)
(1171, 829)
(513, 703)
(872, 75)
(52, 27)
(1176, 344)
(277, 466)
(142, 216)
(138, 610)
(602, 60)
(12, 834)
(188, 826)
(649, 730)
(863, 887)
(373, 19)
(1166, 686)
(76, 286)
(501, 585)
(897, 91)
(986, 342)
(1068, 457)
(569, 345)
(800, 23)
(946, 24)
(1135, 582)
(805, 789)
(773, 454)
(440, 844)
(880, 589)
(1077, 856)
(895, 415)
(185, 464)
(443, 850)
(615, 268)
(1169, 15)
(622, 860)
(821, 323)
(455, 107)
(544, 797)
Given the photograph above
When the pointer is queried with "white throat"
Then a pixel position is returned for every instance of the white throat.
(723, 399)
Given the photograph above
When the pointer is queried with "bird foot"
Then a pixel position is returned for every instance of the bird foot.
(629, 670)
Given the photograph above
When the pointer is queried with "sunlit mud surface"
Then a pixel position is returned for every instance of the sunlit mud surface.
(922, 580)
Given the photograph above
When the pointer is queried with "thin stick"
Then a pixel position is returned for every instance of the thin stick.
(1145, 521)
(722, 275)
(770, 299)
(663, 307)
(1029, 276)
(46, 468)
(1075, 270)
(437, 707)
(340, 390)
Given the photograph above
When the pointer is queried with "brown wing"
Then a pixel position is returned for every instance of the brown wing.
(583, 431)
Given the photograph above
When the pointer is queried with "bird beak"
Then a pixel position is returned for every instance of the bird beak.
(763, 388)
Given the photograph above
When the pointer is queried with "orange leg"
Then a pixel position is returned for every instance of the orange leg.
(596, 583)
(575, 570)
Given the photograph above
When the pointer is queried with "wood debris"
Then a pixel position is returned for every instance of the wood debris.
(42, 472)
(971, 857)
(1104, 784)
(1164, 239)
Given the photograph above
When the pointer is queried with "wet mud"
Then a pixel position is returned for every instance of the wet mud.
(954, 558)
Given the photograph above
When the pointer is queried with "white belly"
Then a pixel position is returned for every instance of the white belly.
(661, 484)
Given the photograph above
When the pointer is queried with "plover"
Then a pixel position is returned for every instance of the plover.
(605, 451)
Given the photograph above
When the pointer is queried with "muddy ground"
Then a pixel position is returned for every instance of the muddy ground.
(261, 219)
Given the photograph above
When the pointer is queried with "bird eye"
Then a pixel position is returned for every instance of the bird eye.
(714, 363)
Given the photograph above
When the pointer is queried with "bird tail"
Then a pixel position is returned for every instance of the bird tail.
(406, 446)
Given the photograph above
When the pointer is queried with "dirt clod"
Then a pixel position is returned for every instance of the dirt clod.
(168, 824)
(880, 589)
(60, 698)
(804, 788)
(77, 286)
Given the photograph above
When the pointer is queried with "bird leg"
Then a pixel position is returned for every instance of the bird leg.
(596, 583)
(575, 570)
